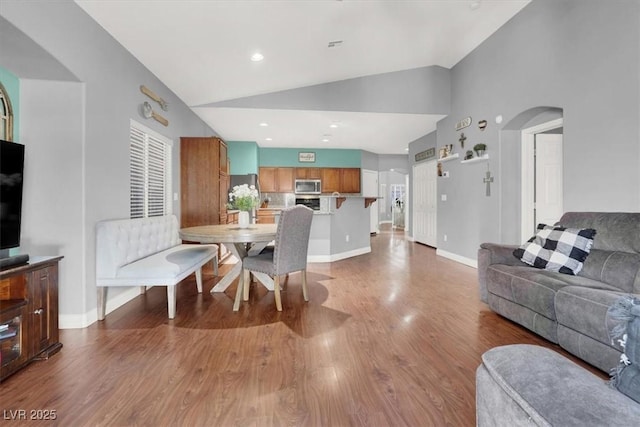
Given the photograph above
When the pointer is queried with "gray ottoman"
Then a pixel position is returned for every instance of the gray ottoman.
(521, 384)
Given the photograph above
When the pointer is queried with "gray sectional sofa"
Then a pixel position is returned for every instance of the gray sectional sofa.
(565, 309)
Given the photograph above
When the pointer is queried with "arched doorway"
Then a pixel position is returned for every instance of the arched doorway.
(518, 174)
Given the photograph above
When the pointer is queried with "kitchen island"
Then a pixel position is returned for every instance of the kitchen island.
(338, 232)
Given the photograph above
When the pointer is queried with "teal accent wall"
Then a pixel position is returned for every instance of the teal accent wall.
(243, 156)
(324, 157)
(12, 85)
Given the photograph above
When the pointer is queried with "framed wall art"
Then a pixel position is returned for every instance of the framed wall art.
(306, 157)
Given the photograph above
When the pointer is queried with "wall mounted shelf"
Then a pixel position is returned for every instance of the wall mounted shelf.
(476, 159)
(449, 157)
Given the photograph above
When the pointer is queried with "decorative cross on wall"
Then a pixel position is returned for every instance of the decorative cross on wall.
(488, 180)
(462, 140)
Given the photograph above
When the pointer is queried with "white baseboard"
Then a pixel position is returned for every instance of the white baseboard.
(458, 258)
(79, 321)
(339, 256)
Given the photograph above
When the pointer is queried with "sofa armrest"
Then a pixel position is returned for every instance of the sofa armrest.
(524, 384)
(493, 253)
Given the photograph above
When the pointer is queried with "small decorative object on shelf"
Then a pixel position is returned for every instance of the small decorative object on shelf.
(244, 198)
(480, 149)
(468, 155)
(448, 149)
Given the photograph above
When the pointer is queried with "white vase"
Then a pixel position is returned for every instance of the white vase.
(243, 219)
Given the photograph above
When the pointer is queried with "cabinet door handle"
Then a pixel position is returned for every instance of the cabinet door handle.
(38, 311)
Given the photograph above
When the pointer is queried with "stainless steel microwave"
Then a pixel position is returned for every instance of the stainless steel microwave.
(308, 186)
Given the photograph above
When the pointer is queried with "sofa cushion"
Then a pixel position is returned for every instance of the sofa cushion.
(166, 266)
(620, 270)
(617, 231)
(557, 248)
(526, 286)
(584, 310)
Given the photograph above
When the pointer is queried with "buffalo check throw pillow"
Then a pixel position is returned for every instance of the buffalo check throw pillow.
(557, 249)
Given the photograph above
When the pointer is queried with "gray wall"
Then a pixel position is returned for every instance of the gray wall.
(86, 131)
(580, 56)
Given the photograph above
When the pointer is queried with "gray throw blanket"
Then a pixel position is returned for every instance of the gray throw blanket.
(625, 313)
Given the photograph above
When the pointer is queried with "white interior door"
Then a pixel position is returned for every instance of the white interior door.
(551, 184)
(425, 208)
(548, 166)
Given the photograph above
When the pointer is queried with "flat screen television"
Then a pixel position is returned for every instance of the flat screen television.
(11, 181)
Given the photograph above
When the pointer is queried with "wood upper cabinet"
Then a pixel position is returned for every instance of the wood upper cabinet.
(284, 180)
(330, 180)
(350, 180)
(267, 180)
(308, 173)
(276, 180)
(200, 198)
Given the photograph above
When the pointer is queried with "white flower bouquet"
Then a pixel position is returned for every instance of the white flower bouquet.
(244, 197)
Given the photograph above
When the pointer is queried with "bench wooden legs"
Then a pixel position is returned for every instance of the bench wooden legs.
(199, 279)
(171, 301)
(102, 302)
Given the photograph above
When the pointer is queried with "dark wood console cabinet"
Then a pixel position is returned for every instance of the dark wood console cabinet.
(28, 313)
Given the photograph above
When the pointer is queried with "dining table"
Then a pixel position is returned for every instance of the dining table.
(241, 242)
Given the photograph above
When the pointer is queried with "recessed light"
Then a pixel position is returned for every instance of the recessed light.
(257, 57)
(333, 125)
(475, 5)
(263, 124)
(268, 139)
(325, 140)
(406, 149)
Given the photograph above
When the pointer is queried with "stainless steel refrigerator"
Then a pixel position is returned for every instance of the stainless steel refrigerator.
(249, 179)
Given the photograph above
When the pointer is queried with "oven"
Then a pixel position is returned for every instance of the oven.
(310, 202)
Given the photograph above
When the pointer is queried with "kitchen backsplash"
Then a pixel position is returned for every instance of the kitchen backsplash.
(285, 200)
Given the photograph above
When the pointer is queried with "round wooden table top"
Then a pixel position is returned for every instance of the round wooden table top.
(229, 233)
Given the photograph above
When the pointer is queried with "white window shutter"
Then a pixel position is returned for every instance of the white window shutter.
(150, 173)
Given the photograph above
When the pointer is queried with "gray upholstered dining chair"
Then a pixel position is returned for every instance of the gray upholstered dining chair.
(289, 253)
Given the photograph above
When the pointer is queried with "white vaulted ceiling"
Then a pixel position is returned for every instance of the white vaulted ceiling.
(201, 50)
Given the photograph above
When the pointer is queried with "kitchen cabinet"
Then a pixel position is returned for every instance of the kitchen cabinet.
(308, 173)
(349, 180)
(284, 180)
(266, 216)
(276, 180)
(330, 180)
(200, 172)
(267, 180)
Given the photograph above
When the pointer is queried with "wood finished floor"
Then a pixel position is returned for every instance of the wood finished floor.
(391, 338)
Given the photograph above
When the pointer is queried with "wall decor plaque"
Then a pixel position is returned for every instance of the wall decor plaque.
(463, 123)
(426, 154)
(308, 157)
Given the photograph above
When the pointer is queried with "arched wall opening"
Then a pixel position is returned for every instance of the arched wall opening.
(511, 168)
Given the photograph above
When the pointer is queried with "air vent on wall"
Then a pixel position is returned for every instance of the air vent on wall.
(335, 43)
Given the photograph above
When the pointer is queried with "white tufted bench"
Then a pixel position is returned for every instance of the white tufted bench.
(147, 252)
